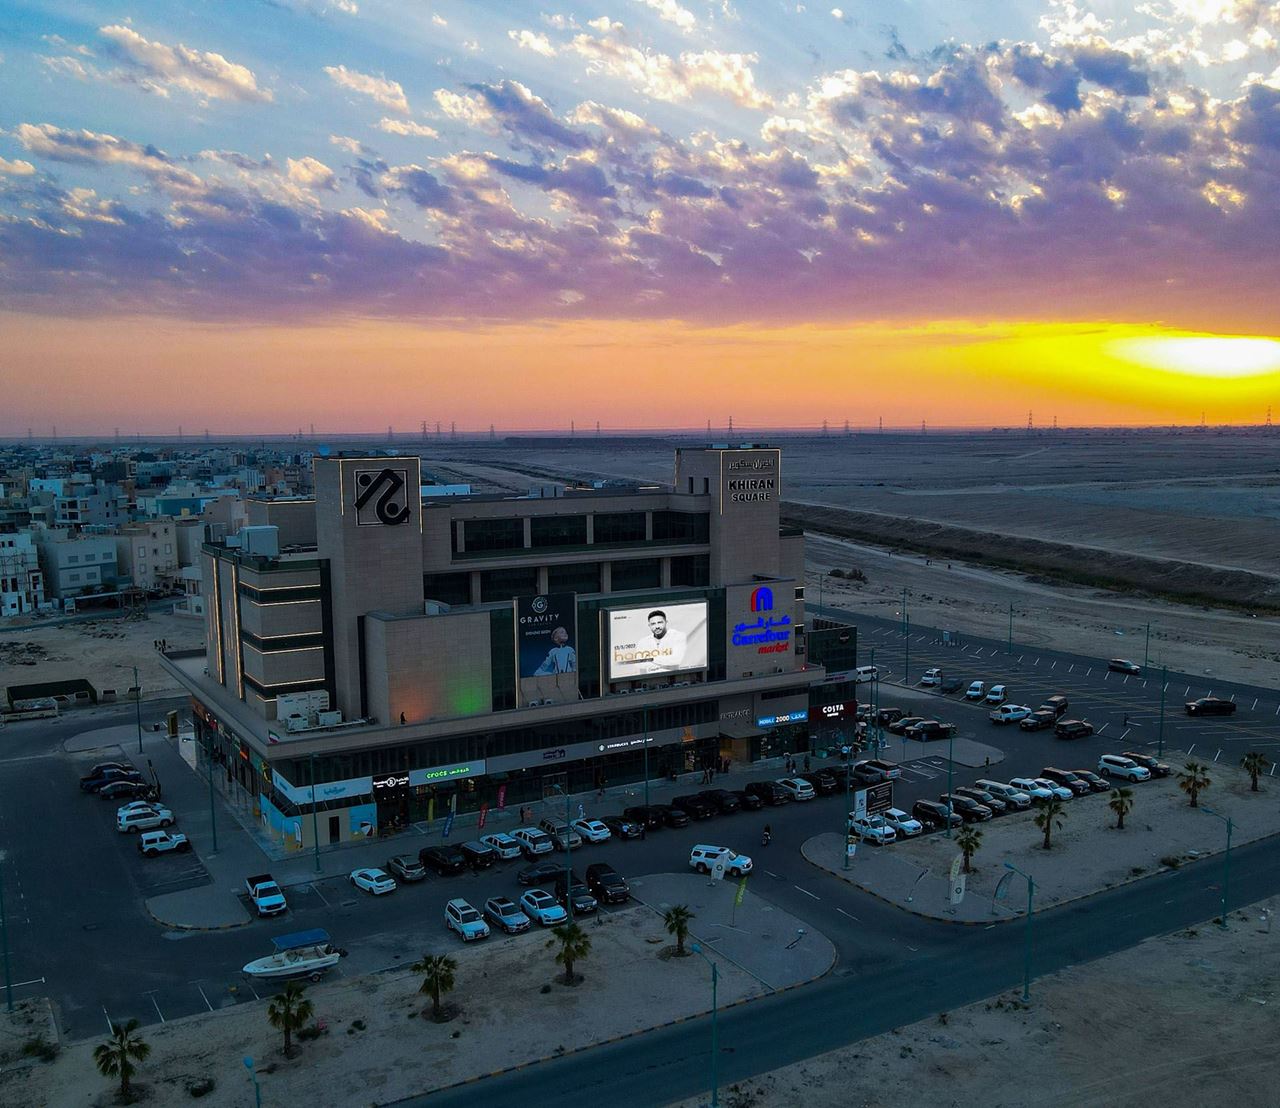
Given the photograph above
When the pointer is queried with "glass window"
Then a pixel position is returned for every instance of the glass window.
(73, 559)
(494, 534)
(578, 578)
(558, 531)
(618, 527)
(448, 588)
(691, 570)
(643, 573)
(681, 527)
(504, 584)
(73, 577)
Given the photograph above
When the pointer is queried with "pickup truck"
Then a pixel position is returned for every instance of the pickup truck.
(267, 898)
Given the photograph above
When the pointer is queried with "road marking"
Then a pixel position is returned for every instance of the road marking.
(771, 873)
(1036, 662)
(1071, 668)
(1254, 705)
(156, 1006)
(1106, 675)
(1021, 656)
(1088, 671)
(40, 980)
(852, 917)
(1218, 755)
(1188, 691)
(1126, 679)
(1190, 749)
(807, 892)
(1125, 735)
(255, 993)
(1054, 666)
(1144, 683)
(203, 997)
(1273, 770)
(315, 887)
(111, 1027)
(1103, 728)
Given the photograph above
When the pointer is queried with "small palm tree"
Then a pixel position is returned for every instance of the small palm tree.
(116, 1057)
(1121, 804)
(968, 840)
(289, 1012)
(1193, 780)
(574, 943)
(677, 918)
(1051, 814)
(437, 977)
(1254, 764)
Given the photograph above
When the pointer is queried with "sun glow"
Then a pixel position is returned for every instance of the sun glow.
(1202, 356)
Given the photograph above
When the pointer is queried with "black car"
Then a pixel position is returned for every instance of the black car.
(769, 792)
(824, 782)
(1157, 768)
(443, 859)
(723, 800)
(102, 767)
(96, 782)
(695, 807)
(899, 726)
(649, 817)
(1210, 706)
(749, 801)
(539, 873)
(950, 685)
(620, 827)
(887, 716)
(1038, 720)
(127, 790)
(998, 805)
(931, 729)
(966, 808)
(577, 894)
(1072, 729)
(671, 817)
(1096, 784)
(479, 855)
(1068, 779)
(405, 867)
(934, 816)
(1057, 704)
(607, 883)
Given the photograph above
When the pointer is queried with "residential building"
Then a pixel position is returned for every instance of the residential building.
(147, 554)
(75, 565)
(21, 579)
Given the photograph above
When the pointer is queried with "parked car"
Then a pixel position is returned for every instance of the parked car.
(930, 729)
(541, 907)
(144, 819)
(769, 792)
(931, 678)
(592, 830)
(1076, 784)
(444, 860)
(966, 808)
(405, 867)
(1009, 713)
(890, 770)
(100, 768)
(1014, 798)
(374, 881)
(620, 827)
(608, 885)
(1072, 729)
(121, 790)
(1157, 768)
(265, 895)
(151, 844)
(134, 806)
(479, 855)
(1057, 704)
(886, 716)
(695, 807)
(1060, 791)
(1038, 720)
(750, 801)
(997, 694)
(703, 858)
(934, 816)
(98, 780)
(672, 817)
(649, 817)
(533, 841)
(799, 789)
(539, 872)
(864, 773)
(1210, 706)
(1123, 665)
(951, 685)
(504, 844)
(998, 805)
(563, 837)
(1096, 784)
(459, 916)
(824, 782)
(906, 827)
(724, 801)
(1117, 765)
(503, 912)
(1032, 788)
(873, 829)
(976, 690)
(574, 892)
(904, 724)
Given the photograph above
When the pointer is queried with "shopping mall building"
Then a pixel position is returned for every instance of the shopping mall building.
(375, 659)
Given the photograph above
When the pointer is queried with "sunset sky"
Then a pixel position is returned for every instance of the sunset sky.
(257, 216)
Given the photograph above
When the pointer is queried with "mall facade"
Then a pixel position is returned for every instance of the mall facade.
(374, 659)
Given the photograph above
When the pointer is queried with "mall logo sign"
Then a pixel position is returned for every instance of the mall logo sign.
(382, 497)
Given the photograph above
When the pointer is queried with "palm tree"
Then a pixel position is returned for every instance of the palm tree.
(968, 840)
(116, 1057)
(574, 943)
(1254, 764)
(677, 918)
(1121, 804)
(437, 971)
(289, 1012)
(1051, 814)
(1193, 780)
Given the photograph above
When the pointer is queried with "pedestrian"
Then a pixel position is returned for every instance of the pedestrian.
(1126, 720)
(581, 811)
(768, 834)
(806, 763)
(401, 719)
(711, 773)
(726, 765)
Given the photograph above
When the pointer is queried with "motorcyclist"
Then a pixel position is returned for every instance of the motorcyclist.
(768, 834)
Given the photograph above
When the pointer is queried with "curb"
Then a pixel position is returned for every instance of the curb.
(195, 927)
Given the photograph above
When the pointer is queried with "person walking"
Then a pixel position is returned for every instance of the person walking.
(806, 763)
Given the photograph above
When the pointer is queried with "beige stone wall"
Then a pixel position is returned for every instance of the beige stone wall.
(457, 683)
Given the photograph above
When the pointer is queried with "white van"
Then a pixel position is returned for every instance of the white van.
(866, 673)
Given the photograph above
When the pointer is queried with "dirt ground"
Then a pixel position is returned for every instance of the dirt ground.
(1181, 1021)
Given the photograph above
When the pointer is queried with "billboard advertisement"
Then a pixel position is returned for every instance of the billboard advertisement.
(547, 648)
(663, 639)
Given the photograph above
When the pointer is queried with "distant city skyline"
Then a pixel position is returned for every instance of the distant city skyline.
(344, 211)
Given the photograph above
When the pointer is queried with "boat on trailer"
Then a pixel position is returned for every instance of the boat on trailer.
(300, 954)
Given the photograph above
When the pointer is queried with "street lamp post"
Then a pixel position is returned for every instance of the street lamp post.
(951, 749)
(137, 707)
(315, 819)
(873, 724)
(715, 1031)
(645, 711)
(1226, 864)
(1146, 651)
(4, 938)
(906, 644)
(257, 1089)
(1164, 682)
(568, 861)
(1009, 647)
(844, 754)
(1026, 956)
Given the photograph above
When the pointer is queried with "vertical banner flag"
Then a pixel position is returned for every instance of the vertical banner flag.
(448, 824)
(484, 813)
(502, 798)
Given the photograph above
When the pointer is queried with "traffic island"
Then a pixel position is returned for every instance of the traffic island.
(1087, 853)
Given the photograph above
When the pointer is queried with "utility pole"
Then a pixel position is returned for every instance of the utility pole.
(1226, 862)
(315, 819)
(1146, 652)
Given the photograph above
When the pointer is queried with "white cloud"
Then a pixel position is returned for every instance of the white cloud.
(200, 73)
(17, 168)
(439, 21)
(837, 13)
(468, 109)
(672, 12)
(533, 40)
(48, 141)
(311, 174)
(383, 91)
(407, 127)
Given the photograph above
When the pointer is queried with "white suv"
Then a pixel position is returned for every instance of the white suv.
(997, 694)
(903, 823)
(144, 819)
(533, 841)
(1015, 798)
(875, 829)
(1009, 713)
(1117, 765)
(797, 789)
(704, 857)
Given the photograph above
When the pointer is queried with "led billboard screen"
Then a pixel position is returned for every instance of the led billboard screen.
(662, 639)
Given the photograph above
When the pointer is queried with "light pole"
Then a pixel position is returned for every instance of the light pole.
(844, 754)
(951, 748)
(645, 710)
(568, 862)
(1164, 682)
(1026, 957)
(1009, 647)
(1146, 651)
(257, 1089)
(315, 819)
(4, 938)
(1226, 865)
(137, 707)
(715, 1031)
(873, 724)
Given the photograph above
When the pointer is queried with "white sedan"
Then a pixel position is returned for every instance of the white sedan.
(374, 881)
(903, 823)
(504, 844)
(540, 905)
(1060, 791)
(134, 806)
(592, 830)
(1032, 788)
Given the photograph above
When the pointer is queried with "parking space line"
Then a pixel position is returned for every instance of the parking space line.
(850, 915)
(1218, 755)
(771, 873)
(1036, 662)
(1125, 735)
(156, 1006)
(1103, 728)
(1071, 668)
(111, 1028)
(1054, 666)
(316, 889)
(1251, 708)
(1088, 671)
(807, 892)
(1188, 692)
(203, 997)
(40, 980)
(1190, 749)
(1273, 770)
(1021, 656)
(255, 993)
